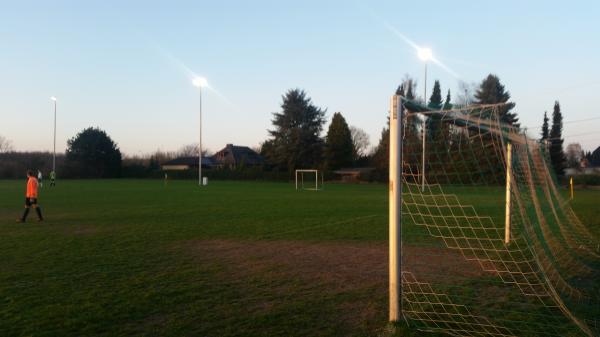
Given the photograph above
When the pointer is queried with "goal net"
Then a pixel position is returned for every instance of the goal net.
(489, 243)
(309, 180)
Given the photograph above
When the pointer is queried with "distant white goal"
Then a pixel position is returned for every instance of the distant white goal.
(309, 180)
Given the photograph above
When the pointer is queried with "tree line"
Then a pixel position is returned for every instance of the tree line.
(552, 140)
(296, 139)
(295, 142)
(91, 153)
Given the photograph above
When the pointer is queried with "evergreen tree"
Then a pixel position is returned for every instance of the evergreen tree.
(296, 141)
(339, 148)
(93, 154)
(491, 91)
(438, 132)
(588, 157)
(557, 155)
(595, 157)
(410, 88)
(545, 130)
(447, 103)
(434, 121)
(381, 155)
(435, 101)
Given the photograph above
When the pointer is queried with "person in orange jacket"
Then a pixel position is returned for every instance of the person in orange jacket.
(31, 197)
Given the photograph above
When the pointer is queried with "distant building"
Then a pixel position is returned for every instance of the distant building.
(584, 163)
(233, 156)
(354, 174)
(581, 171)
(187, 163)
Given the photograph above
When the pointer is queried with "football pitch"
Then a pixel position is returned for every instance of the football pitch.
(140, 257)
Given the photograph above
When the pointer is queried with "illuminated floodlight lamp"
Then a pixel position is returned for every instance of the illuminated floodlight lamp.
(425, 54)
(200, 82)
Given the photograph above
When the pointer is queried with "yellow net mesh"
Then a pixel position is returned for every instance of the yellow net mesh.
(460, 275)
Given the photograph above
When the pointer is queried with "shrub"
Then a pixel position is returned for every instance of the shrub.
(587, 179)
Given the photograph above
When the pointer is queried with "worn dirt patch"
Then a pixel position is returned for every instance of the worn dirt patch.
(284, 270)
(345, 264)
(276, 273)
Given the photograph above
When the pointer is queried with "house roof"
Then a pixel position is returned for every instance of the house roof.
(240, 154)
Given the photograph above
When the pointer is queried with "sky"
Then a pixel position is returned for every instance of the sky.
(127, 66)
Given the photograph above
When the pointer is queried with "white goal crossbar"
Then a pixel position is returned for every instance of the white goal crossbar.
(318, 183)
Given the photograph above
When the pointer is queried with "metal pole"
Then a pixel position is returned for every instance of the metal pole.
(507, 211)
(395, 210)
(424, 135)
(200, 142)
(423, 157)
(425, 87)
(54, 153)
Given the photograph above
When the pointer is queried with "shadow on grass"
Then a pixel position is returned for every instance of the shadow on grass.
(401, 329)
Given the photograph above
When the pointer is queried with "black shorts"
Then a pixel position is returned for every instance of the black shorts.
(30, 201)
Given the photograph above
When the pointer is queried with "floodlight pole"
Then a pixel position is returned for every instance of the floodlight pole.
(425, 86)
(424, 132)
(54, 152)
(507, 211)
(200, 140)
(395, 209)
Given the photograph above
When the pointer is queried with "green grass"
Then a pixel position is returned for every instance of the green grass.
(586, 203)
(127, 257)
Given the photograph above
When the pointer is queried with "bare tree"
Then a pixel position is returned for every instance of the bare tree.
(191, 150)
(466, 93)
(5, 145)
(574, 155)
(188, 150)
(360, 142)
(162, 156)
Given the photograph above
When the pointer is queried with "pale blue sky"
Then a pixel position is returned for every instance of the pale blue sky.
(125, 65)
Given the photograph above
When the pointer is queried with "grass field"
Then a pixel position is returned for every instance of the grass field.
(126, 257)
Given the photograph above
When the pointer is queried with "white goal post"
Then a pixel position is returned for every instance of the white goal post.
(315, 184)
